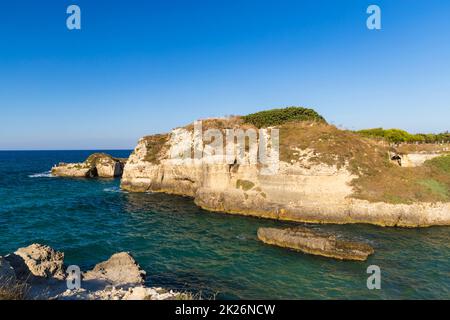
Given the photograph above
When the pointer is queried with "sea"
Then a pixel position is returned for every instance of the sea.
(213, 255)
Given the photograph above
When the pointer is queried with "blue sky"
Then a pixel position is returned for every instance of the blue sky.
(142, 67)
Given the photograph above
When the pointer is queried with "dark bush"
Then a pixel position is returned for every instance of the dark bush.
(276, 117)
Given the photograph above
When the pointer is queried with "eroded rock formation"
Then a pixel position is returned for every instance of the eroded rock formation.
(39, 272)
(37, 261)
(308, 241)
(120, 269)
(96, 165)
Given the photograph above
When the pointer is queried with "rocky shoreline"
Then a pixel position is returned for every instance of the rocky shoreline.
(38, 272)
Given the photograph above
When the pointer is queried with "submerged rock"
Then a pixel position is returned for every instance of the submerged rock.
(308, 241)
(96, 165)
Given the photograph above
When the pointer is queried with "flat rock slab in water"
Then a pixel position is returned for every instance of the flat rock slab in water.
(308, 241)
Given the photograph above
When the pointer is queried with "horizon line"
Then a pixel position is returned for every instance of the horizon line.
(111, 149)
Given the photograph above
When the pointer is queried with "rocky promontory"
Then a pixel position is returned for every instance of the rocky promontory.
(325, 175)
(39, 272)
(96, 165)
(308, 241)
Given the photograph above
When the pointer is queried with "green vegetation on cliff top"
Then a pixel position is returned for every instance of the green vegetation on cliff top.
(401, 136)
(441, 163)
(275, 117)
(427, 183)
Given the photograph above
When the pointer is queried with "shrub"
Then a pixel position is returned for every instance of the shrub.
(276, 117)
(401, 136)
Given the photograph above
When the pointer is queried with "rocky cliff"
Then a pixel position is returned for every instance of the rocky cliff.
(325, 175)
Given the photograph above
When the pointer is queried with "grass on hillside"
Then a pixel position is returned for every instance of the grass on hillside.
(394, 184)
(441, 163)
(378, 178)
(333, 147)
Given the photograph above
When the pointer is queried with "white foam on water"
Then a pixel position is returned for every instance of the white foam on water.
(241, 237)
(46, 174)
(113, 189)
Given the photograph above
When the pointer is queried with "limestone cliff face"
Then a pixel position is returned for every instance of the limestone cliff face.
(303, 191)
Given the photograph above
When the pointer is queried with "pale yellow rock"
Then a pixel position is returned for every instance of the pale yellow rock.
(119, 269)
(37, 260)
(75, 170)
(96, 165)
(106, 169)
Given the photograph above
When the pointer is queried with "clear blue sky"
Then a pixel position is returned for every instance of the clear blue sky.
(142, 67)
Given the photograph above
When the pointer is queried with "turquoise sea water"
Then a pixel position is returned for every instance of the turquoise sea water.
(185, 248)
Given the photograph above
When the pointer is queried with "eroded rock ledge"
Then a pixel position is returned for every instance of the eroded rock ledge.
(96, 165)
(308, 241)
(40, 273)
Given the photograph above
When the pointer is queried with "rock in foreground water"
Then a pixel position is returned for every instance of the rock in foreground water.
(308, 241)
(37, 261)
(121, 268)
(96, 165)
(38, 272)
